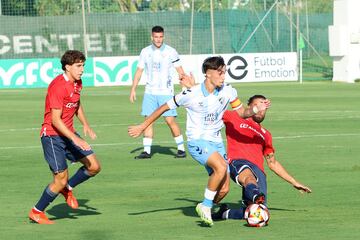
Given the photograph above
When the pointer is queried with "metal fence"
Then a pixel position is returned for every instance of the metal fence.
(46, 28)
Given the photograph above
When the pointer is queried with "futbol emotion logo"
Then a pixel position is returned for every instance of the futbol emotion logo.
(237, 67)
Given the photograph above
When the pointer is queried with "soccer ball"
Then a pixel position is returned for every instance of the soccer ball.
(257, 215)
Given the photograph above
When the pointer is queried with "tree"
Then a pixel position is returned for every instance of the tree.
(57, 7)
(128, 5)
(18, 7)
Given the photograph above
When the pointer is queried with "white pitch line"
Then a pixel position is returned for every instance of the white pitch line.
(181, 122)
(318, 135)
(169, 142)
(94, 126)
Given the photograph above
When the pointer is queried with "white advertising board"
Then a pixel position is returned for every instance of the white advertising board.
(247, 67)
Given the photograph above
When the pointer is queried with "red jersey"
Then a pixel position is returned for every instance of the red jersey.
(65, 95)
(246, 139)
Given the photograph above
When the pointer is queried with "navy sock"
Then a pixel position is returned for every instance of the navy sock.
(250, 191)
(236, 213)
(46, 198)
(80, 176)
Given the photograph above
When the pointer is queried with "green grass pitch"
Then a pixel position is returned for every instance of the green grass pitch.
(316, 130)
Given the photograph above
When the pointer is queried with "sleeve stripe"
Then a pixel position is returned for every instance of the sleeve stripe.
(236, 103)
(175, 102)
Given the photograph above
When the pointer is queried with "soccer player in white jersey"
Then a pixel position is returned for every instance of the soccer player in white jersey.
(157, 60)
(205, 104)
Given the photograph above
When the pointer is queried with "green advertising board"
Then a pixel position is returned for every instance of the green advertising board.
(36, 73)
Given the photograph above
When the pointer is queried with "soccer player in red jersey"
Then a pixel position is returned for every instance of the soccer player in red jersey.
(248, 143)
(59, 139)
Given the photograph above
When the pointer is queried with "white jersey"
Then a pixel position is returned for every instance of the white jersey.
(158, 64)
(205, 110)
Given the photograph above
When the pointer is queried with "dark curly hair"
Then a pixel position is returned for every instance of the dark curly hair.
(251, 99)
(70, 57)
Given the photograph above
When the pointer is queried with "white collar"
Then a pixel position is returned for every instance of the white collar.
(65, 77)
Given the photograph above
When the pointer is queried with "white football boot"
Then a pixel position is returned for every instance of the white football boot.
(205, 214)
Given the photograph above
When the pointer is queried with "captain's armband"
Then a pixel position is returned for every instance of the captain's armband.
(236, 104)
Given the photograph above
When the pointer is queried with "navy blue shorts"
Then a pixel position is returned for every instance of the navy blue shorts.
(57, 149)
(237, 166)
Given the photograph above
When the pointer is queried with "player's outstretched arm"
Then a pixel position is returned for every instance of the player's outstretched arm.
(250, 111)
(279, 170)
(302, 188)
(137, 130)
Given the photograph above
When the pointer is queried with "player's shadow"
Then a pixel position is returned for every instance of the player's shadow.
(157, 149)
(288, 210)
(240, 204)
(187, 211)
(62, 210)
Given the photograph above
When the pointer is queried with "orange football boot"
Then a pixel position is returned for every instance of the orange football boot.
(39, 217)
(70, 198)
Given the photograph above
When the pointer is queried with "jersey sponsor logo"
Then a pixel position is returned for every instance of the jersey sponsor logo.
(263, 130)
(72, 105)
(210, 118)
(156, 66)
(247, 126)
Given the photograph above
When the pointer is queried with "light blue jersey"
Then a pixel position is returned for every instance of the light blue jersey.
(205, 110)
(159, 64)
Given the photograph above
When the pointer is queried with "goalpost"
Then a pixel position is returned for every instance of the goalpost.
(344, 41)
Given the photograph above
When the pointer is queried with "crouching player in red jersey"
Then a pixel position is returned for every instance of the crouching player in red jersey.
(248, 144)
(59, 139)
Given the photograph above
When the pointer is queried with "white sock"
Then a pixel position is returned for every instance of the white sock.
(208, 198)
(209, 194)
(147, 144)
(180, 142)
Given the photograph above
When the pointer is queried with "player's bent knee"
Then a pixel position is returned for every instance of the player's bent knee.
(61, 179)
(220, 167)
(94, 168)
(223, 168)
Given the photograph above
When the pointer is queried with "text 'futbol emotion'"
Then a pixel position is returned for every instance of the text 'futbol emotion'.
(257, 215)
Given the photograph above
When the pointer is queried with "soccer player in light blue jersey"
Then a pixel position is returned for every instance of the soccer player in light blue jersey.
(158, 59)
(205, 104)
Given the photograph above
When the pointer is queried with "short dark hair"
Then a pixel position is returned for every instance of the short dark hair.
(70, 57)
(213, 63)
(251, 99)
(157, 29)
